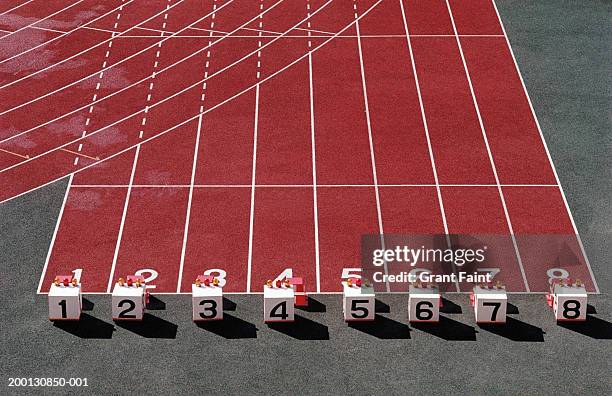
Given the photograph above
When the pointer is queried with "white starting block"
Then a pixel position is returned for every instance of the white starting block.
(358, 301)
(65, 300)
(568, 300)
(490, 303)
(129, 298)
(279, 300)
(207, 298)
(424, 303)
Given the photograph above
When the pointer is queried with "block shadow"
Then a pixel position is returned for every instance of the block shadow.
(87, 305)
(593, 327)
(88, 327)
(448, 329)
(228, 305)
(381, 307)
(230, 327)
(313, 306)
(155, 304)
(383, 328)
(512, 309)
(150, 327)
(515, 330)
(449, 307)
(302, 329)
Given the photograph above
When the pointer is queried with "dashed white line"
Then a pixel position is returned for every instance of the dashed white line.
(194, 166)
(98, 85)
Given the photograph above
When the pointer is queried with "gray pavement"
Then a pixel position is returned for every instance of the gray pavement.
(563, 50)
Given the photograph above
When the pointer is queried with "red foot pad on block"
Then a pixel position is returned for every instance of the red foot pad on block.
(64, 280)
(301, 298)
(206, 280)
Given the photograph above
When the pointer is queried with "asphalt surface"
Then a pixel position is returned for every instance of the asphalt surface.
(563, 50)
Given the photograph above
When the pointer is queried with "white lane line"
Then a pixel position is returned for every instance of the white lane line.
(139, 81)
(252, 212)
(57, 225)
(314, 155)
(254, 165)
(43, 19)
(189, 202)
(48, 30)
(16, 7)
(427, 136)
(314, 164)
(171, 96)
(363, 36)
(111, 275)
(489, 152)
(144, 120)
(310, 185)
(98, 84)
(194, 165)
(206, 111)
(552, 164)
(364, 88)
(65, 34)
(87, 50)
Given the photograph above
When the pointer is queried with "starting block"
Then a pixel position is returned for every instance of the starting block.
(490, 303)
(207, 298)
(65, 300)
(568, 300)
(358, 300)
(301, 298)
(424, 303)
(129, 298)
(279, 300)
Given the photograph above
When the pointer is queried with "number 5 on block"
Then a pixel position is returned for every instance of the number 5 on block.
(358, 300)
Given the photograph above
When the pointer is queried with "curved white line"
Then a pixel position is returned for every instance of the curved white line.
(74, 30)
(103, 69)
(14, 8)
(148, 76)
(43, 19)
(198, 114)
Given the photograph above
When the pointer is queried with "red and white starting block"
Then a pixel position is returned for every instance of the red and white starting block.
(65, 300)
(207, 298)
(358, 300)
(424, 303)
(490, 303)
(568, 300)
(279, 300)
(129, 298)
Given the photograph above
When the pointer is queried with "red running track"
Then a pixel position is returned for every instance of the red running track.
(346, 141)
